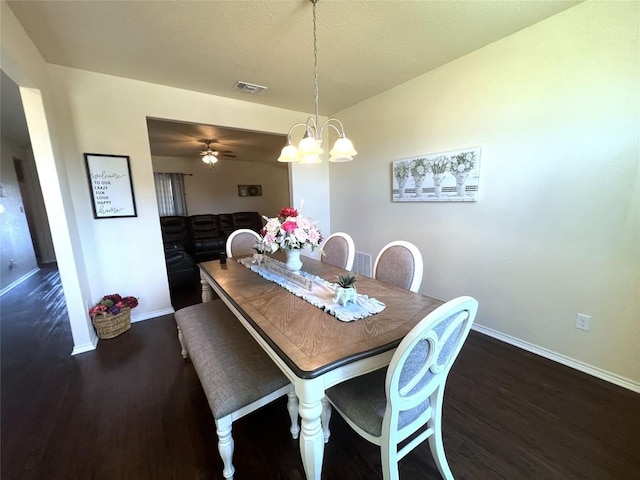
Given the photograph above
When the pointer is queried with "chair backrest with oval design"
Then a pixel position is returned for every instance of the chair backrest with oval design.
(399, 263)
(404, 402)
(339, 250)
(241, 242)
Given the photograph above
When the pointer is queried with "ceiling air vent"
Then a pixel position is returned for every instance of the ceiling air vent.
(251, 88)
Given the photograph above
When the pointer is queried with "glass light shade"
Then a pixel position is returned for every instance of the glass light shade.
(343, 148)
(289, 153)
(209, 158)
(307, 159)
(342, 158)
(309, 146)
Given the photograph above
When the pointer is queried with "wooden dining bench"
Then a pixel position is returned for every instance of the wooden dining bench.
(237, 376)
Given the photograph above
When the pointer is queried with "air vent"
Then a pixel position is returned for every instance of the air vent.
(362, 264)
(251, 88)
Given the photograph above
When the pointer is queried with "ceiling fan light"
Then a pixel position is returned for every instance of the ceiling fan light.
(289, 153)
(343, 148)
(209, 158)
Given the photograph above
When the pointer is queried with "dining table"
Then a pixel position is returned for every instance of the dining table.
(314, 349)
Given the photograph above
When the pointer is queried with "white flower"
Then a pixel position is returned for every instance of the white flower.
(272, 226)
(300, 234)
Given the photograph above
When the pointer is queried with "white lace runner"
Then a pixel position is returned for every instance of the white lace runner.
(321, 293)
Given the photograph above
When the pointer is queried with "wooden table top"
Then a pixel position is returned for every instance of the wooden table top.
(309, 340)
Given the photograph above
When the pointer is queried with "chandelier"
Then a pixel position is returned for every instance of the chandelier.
(309, 149)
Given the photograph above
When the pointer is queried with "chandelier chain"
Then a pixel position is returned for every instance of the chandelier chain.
(315, 59)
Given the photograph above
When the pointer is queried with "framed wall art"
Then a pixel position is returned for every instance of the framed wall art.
(249, 190)
(437, 177)
(111, 185)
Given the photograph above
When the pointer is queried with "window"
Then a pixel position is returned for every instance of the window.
(170, 193)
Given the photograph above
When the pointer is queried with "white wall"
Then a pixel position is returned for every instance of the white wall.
(555, 109)
(109, 115)
(80, 112)
(17, 257)
(215, 190)
(21, 61)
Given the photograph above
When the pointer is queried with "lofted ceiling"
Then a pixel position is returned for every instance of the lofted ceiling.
(364, 47)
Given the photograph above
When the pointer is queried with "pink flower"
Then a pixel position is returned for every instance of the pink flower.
(289, 226)
(288, 212)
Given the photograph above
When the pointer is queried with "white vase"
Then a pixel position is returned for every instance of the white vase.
(418, 183)
(401, 184)
(293, 259)
(461, 180)
(437, 184)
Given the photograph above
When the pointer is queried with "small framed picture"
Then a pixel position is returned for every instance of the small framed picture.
(249, 190)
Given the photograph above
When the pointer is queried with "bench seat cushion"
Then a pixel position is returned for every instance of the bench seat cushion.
(233, 369)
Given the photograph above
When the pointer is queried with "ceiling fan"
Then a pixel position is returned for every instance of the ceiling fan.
(210, 156)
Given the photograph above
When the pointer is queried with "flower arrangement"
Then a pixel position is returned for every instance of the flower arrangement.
(419, 167)
(113, 304)
(463, 162)
(401, 172)
(289, 230)
(439, 164)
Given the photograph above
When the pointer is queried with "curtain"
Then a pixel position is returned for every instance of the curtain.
(170, 193)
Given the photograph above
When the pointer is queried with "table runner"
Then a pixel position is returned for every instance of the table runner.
(321, 294)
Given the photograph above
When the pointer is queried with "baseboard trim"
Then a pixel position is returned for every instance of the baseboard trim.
(564, 360)
(85, 347)
(17, 282)
(148, 315)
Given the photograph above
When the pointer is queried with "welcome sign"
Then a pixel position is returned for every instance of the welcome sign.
(111, 185)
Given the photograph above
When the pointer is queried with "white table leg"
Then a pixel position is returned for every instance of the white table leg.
(311, 436)
(207, 293)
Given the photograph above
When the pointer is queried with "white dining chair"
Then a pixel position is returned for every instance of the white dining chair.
(399, 263)
(390, 405)
(242, 242)
(339, 250)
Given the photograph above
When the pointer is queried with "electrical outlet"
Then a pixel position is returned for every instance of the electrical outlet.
(583, 322)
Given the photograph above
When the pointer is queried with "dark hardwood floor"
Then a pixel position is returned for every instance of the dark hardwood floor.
(134, 409)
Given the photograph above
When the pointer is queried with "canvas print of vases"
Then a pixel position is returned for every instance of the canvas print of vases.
(438, 177)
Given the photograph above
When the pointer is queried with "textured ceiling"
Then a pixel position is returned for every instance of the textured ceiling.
(364, 47)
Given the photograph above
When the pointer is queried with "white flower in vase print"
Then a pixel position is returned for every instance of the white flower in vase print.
(401, 172)
(438, 165)
(418, 168)
(463, 162)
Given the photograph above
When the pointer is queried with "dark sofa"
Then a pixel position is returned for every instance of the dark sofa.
(199, 238)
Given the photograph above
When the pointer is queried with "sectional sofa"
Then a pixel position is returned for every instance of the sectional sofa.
(199, 238)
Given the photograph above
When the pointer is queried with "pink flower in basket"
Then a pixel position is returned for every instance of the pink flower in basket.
(113, 304)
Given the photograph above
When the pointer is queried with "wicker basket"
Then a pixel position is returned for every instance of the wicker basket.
(109, 326)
